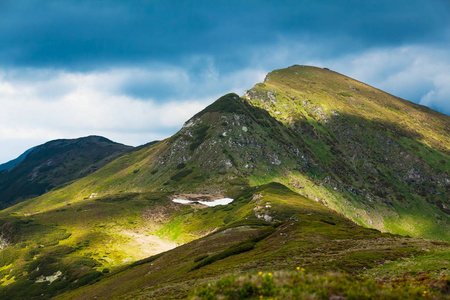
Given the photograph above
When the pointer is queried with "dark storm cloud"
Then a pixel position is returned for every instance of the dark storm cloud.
(134, 71)
(89, 34)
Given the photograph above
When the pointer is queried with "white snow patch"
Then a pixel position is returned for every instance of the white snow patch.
(223, 201)
(181, 201)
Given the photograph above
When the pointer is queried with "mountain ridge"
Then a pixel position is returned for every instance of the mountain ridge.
(371, 169)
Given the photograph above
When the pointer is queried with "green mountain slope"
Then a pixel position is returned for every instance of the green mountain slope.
(55, 163)
(199, 158)
(380, 160)
(53, 253)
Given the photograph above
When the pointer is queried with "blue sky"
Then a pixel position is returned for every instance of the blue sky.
(134, 71)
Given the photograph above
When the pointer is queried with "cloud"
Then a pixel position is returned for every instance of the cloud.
(83, 104)
(416, 72)
(86, 35)
(439, 96)
(134, 71)
(38, 105)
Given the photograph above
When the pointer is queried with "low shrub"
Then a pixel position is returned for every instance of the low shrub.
(236, 249)
(240, 248)
(180, 175)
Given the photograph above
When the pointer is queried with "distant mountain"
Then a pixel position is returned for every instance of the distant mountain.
(10, 164)
(54, 163)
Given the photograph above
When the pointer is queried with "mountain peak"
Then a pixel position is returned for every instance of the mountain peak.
(296, 71)
(227, 103)
(292, 93)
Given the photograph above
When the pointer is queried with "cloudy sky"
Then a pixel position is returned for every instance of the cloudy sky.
(134, 71)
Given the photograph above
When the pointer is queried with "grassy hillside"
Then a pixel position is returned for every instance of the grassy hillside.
(308, 238)
(84, 241)
(380, 160)
(111, 240)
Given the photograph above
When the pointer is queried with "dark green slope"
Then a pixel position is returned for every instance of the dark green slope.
(55, 163)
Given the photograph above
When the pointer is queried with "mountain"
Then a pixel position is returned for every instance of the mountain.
(10, 164)
(47, 166)
(381, 161)
(317, 163)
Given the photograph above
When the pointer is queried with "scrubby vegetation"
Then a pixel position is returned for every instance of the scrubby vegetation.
(303, 285)
(233, 250)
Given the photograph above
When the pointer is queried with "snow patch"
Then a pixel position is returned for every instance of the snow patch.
(223, 201)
